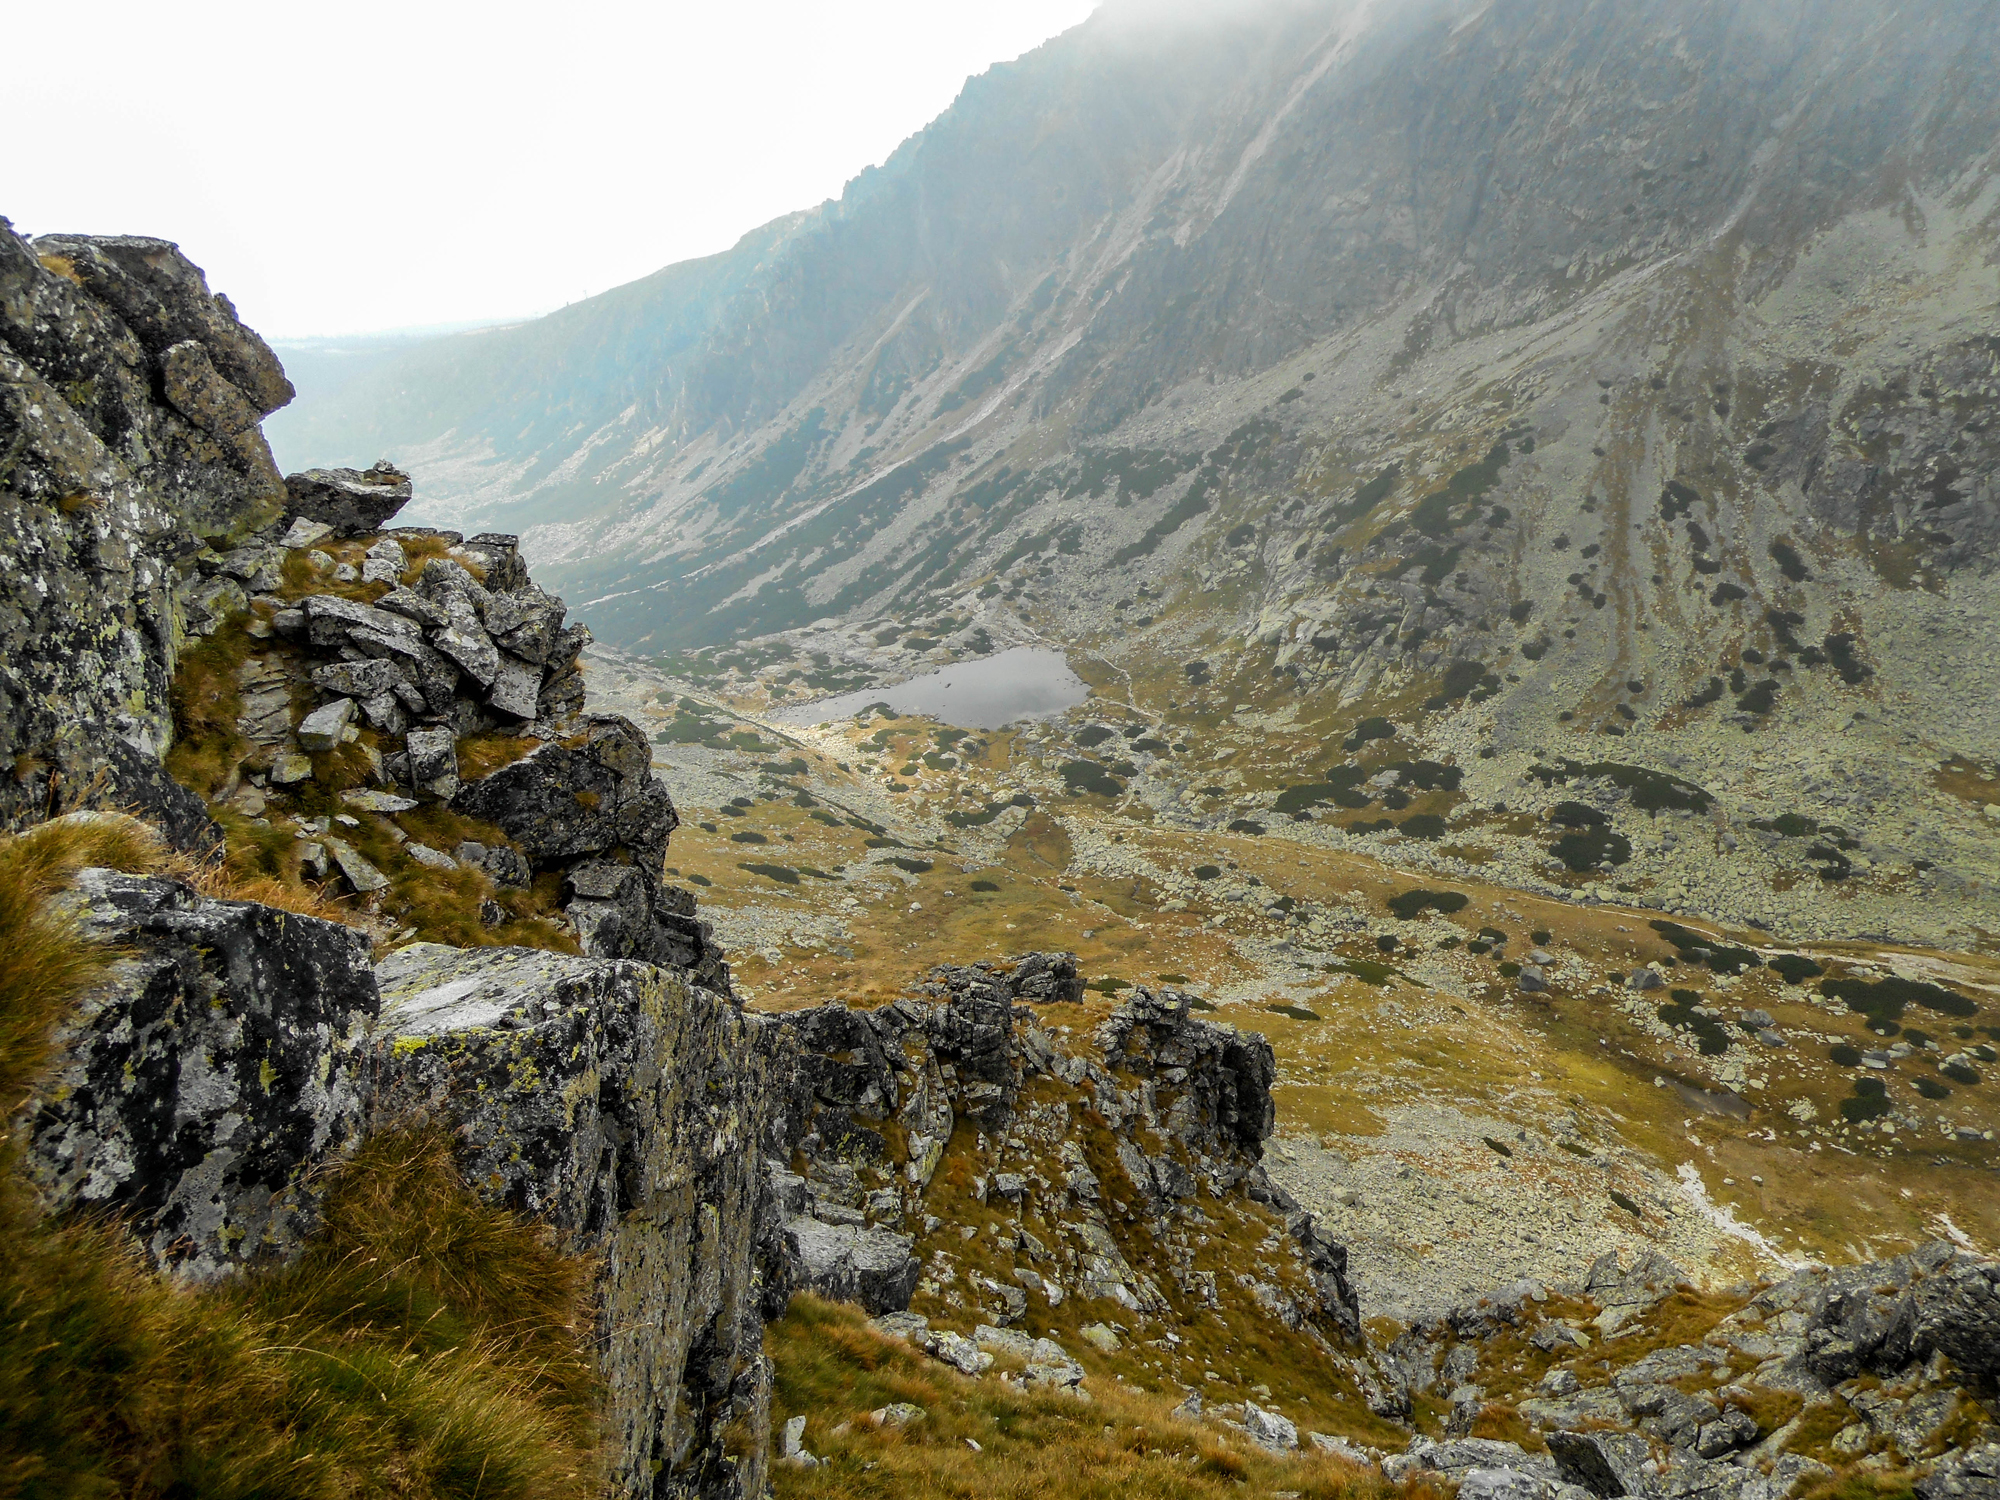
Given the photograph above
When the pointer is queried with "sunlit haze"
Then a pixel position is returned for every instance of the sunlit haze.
(380, 165)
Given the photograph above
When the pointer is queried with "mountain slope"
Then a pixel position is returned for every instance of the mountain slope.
(1521, 372)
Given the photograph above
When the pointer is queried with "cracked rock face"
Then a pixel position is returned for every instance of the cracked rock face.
(625, 1106)
(199, 1086)
(129, 397)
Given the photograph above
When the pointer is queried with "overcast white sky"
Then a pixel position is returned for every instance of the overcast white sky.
(383, 164)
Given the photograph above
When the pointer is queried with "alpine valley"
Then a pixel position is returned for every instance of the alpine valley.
(1276, 773)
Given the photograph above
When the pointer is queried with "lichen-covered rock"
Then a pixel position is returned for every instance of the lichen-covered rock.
(854, 1263)
(352, 502)
(626, 1107)
(1969, 1474)
(590, 806)
(128, 402)
(201, 1084)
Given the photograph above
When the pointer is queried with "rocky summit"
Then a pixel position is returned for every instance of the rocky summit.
(1270, 775)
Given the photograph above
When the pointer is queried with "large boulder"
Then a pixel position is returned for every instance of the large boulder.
(626, 1107)
(200, 1086)
(354, 502)
(854, 1263)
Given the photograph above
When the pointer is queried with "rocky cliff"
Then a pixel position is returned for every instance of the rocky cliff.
(130, 398)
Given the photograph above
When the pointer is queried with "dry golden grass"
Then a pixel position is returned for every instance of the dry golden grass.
(44, 958)
(479, 756)
(424, 1345)
(1032, 1446)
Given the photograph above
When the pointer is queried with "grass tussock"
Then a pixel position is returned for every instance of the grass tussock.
(424, 1345)
(480, 755)
(830, 1367)
(206, 701)
(45, 959)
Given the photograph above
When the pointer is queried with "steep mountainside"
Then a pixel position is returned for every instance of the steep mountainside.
(1533, 374)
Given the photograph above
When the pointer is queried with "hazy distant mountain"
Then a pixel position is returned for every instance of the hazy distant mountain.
(1598, 339)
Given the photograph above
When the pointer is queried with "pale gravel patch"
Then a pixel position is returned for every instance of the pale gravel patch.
(1438, 1218)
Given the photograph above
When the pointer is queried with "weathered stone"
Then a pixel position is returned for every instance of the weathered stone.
(1460, 1456)
(476, 656)
(625, 1107)
(516, 687)
(324, 727)
(1269, 1430)
(432, 859)
(352, 502)
(291, 768)
(1956, 1311)
(200, 1085)
(1968, 1474)
(1501, 1484)
(1608, 1464)
(433, 762)
(330, 620)
(413, 607)
(356, 679)
(850, 1263)
(592, 796)
(354, 865)
(958, 1351)
(504, 864)
(304, 533)
(435, 676)
(1100, 1336)
(367, 799)
(384, 563)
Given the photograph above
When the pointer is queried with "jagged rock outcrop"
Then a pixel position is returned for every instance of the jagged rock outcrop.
(129, 403)
(435, 639)
(237, 1051)
(1187, 1104)
(625, 1106)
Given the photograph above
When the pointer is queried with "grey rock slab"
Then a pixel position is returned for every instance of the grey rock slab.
(1608, 1464)
(241, 1027)
(958, 1351)
(353, 502)
(330, 620)
(1501, 1484)
(325, 727)
(432, 859)
(433, 761)
(356, 679)
(851, 1263)
(1269, 1430)
(1969, 1474)
(367, 799)
(304, 532)
(354, 865)
(476, 656)
(516, 687)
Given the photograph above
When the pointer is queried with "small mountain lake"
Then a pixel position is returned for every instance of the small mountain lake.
(1025, 682)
